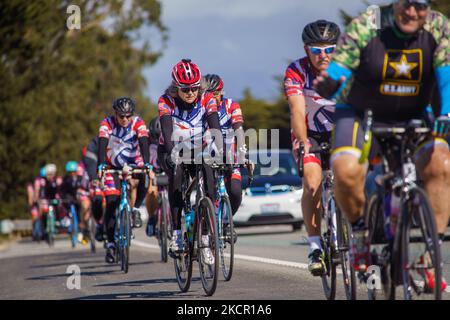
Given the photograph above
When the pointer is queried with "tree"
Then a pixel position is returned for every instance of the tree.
(57, 84)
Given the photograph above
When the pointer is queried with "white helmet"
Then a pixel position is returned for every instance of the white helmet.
(50, 169)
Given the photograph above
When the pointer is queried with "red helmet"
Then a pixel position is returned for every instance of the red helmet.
(186, 74)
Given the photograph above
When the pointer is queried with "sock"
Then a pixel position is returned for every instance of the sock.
(314, 243)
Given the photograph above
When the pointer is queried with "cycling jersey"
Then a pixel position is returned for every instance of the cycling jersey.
(229, 114)
(49, 189)
(298, 80)
(123, 145)
(390, 72)
(188, 124)
(90, 160)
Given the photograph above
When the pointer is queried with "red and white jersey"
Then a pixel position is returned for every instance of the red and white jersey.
(188, 125)
(123, 144)
(298, 80)
(229, 113)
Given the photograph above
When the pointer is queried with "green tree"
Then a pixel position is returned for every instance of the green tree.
(57, 84)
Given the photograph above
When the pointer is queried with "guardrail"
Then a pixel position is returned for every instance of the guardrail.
(21, 227)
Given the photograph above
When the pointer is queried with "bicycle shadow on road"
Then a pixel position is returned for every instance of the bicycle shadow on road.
(139, 283)
(136, 295)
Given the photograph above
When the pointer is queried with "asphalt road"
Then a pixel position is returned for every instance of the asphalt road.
(271, 263)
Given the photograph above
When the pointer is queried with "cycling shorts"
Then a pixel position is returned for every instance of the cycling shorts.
(314, 141)
(348, 136)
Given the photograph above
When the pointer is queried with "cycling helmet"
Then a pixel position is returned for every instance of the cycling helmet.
(71, 166)
(42, 172)
(124, 105)
(155, 128)
(186, 74)
(213, 82)
(320, 31)
(50, 169)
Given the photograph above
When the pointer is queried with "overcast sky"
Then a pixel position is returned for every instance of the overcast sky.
(247, 42)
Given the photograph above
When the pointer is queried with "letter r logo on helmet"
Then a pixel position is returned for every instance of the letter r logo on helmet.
(186, 74)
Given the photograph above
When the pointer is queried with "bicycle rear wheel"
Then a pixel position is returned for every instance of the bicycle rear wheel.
(183, 265)
(164, 215)
(206, 232)
(226, 238)
(92, 229)
(420, 250)
(329, 277)
(348, 273)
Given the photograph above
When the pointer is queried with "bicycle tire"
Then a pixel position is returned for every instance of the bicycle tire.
(117, 237)
(227, 263)
(419, 209)
(74, 227)
(348, 273)
(329, 277)
(206, 217)
(92, 229)
(50, 228)
(126, 238)
(162, 234)
(166, 233)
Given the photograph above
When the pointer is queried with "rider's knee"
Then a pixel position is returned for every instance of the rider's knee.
(438, 166)
(312, 181)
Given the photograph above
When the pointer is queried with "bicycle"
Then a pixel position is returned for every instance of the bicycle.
(163, 217)
(335, 239)
(122, 234)
(73, 226)
(400, 236)
(196, 236)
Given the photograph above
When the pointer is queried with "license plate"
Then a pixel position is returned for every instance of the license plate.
(270, 208)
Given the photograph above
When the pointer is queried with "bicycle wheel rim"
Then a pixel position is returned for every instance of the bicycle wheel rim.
(126, 240)
(207, 226)
(419, 239)
(329, 278)
(226, 244)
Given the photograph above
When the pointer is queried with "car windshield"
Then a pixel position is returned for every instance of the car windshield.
(286, 166)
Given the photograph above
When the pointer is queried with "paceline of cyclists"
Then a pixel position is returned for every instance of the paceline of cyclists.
(399, 69)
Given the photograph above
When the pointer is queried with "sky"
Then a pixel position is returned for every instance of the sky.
(246, 42)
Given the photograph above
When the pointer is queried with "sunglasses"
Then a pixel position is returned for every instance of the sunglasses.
(124, 116)
(318, 50)
(193, 89)
(418, 6)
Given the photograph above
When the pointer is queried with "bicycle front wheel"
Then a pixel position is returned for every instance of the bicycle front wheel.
(329, 277)
(226, 238)
(91, 229)
(126, 238)
(348, 273)
(420, 250)
(207, 244)
(50, 227)
(183, 265)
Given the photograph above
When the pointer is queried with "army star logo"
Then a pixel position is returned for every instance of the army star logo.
(403, 67)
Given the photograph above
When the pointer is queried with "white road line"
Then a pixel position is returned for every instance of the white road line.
(283, 263)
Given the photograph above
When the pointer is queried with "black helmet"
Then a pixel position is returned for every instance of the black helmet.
(213, 82)
(124, 105)
(320, 31)
(154, 128)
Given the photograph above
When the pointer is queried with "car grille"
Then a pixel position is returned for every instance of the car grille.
(262, 191)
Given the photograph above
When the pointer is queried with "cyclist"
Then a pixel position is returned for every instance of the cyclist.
(123, 139)
(391, 70)
(184, 112)
(151, 201)
(32, 197)
(96, 194)
(75, 188)
(231, 123)
(48, 189)
(311, 123)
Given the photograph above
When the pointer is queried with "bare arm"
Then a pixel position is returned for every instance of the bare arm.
(298, 118)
